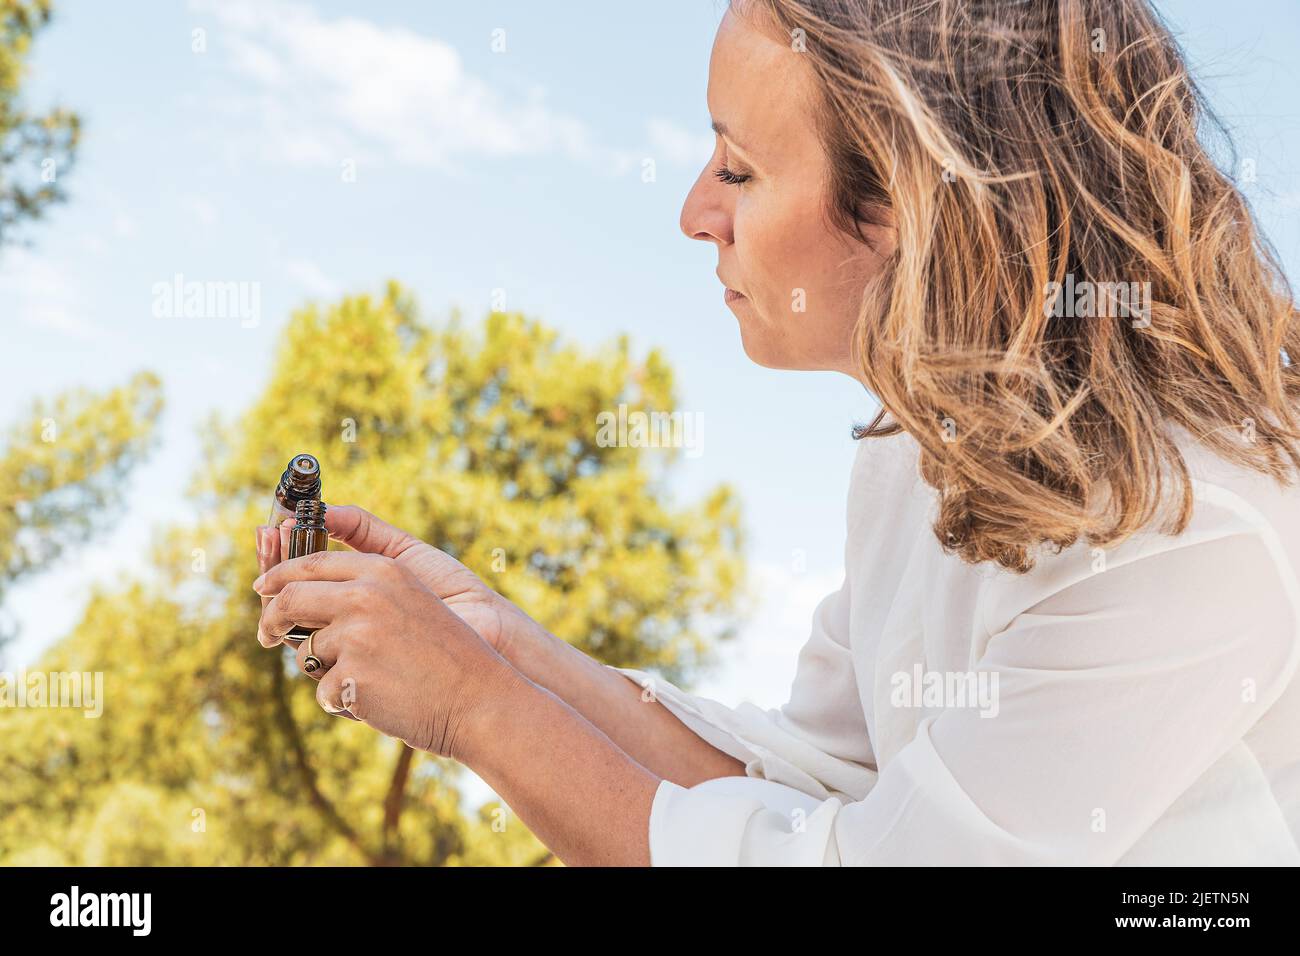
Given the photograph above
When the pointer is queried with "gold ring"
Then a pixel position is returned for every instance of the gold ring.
(311, 663)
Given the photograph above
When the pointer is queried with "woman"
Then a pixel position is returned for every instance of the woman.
(1069, 628)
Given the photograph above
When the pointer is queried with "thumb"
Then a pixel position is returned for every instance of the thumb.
(362, 531)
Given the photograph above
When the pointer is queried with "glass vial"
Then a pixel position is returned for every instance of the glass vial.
(307, 536)
(300, 481)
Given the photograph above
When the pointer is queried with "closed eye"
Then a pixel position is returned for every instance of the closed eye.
(730, 178)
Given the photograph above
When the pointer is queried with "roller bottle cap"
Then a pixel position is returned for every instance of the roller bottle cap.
(301, 479)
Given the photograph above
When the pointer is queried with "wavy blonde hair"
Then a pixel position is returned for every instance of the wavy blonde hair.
(1019, 143)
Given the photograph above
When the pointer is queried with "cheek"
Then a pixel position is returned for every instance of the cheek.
(772, 246)
(800, 273)
(805, 288)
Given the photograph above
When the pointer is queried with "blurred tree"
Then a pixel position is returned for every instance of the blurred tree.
(35, 150)
(63, 466)
(482, 442)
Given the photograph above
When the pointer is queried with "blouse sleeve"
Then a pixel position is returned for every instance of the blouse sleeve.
(817, 743)
(1113, 695)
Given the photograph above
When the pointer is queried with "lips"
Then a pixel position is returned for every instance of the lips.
(731, 295)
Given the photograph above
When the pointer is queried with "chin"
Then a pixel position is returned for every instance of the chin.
(761, 352)
(765, 346)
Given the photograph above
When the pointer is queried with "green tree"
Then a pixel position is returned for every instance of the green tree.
(63, 467)
(35, 149)
(482, 441)
(64, 464)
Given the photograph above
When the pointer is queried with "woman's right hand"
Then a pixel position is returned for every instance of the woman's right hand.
(497, 621)
(617, 706)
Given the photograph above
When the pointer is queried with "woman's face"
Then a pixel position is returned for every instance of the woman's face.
(794, 282)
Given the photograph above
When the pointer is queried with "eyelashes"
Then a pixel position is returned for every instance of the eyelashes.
(730, 178)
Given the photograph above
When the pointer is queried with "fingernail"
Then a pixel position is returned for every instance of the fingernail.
(257, 585)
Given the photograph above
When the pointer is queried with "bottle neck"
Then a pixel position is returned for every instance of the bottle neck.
(310, 513)
(300, 480)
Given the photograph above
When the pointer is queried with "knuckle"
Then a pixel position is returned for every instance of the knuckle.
(359, 593)
(360, 641)
(286, 602)
(384, 568)
(315, 562)
(289, 609)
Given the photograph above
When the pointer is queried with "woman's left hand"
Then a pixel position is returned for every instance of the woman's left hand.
(392, 653)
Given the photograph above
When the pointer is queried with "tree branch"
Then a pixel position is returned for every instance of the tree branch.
(394, 802)
(307, 775)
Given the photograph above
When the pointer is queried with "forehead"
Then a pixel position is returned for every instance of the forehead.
(759, 88)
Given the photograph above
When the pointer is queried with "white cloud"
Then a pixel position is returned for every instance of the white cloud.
(325, 89)
(201, 208)
(312, 278)
(678, 145)
(42, 294)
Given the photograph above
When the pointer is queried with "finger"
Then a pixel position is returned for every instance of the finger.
(285, 528)
(362, 531)
(336, 691)
(268, 556)
(263, 638)
(309, 604)
(324, 647)
(267, 550)
(321, 566)
(268, 547)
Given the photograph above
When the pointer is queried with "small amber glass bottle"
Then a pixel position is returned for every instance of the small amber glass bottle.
(300, 481)
(307, 536)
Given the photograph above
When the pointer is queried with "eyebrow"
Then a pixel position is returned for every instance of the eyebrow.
(721, 129)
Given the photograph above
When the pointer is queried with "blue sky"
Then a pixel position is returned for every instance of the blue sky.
(476, 170)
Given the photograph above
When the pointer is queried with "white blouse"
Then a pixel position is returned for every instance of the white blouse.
(1136, 705)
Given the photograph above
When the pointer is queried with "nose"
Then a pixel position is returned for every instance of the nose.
(708, 211)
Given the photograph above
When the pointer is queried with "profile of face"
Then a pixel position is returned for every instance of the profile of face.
(793, 281)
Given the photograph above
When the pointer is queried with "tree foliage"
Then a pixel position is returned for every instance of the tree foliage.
(63, 466)
(480, 440)
(35, 149)
(64, 463)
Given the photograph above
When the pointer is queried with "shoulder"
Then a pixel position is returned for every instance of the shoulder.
(886, 493)
(1236, 559)
(886, 460)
